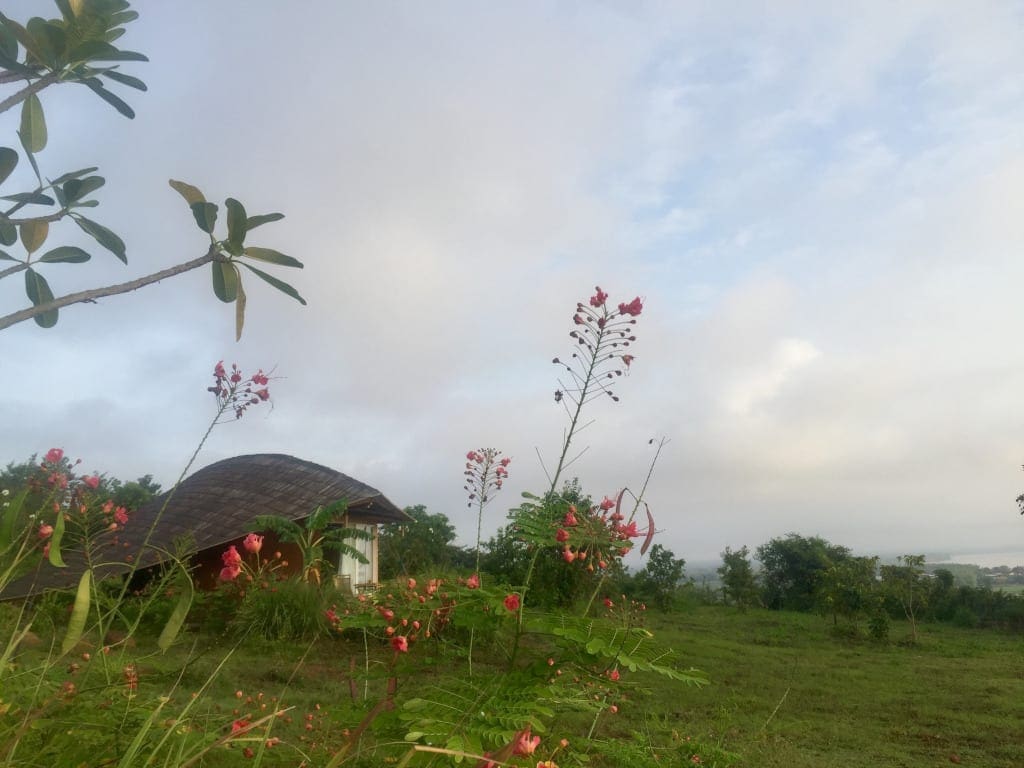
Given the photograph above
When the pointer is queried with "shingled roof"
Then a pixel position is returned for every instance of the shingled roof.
(217, 505)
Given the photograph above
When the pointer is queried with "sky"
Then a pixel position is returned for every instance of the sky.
(821, 208)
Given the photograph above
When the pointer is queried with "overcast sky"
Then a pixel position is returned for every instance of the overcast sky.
(823, 212)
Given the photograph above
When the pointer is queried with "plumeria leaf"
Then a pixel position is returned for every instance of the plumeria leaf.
(8, 44)
(8, 233)
(4, 256)
(272, 256)
(115, 101)
(73, 175)
(236, 226)
(33, 233)
(39, 292)
(33, 124)
(103, 236)
(279, 284)
(205, 215)
(191, 194)
(8, 162)
(76, 189)
(239, 310)
(67, 254)
(97, 50)
(266, 218)
(131, 82)
(225, 281)
(29, 198)
(55, 538)
(79, 613)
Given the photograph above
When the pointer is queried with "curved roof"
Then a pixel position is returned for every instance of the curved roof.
(217, 504)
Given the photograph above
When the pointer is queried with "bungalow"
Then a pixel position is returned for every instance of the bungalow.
(215, 507)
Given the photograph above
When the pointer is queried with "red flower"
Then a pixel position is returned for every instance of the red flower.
(599, 298)
(562, 535)
(231, 558)
(608, 603)
(54, 455)
(613, 675)
(45, 531)
(239, 726)
(93, 482)
(473, 582)
(524, 743)
(633, 308)
(253, 543)
(568, 555)
(512, 602)
(570, 516)
(607, 503)
(400, 643)
(627, 359)
(121, 515)
(229, 572)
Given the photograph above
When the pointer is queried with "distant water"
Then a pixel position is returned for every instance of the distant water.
(986, 559)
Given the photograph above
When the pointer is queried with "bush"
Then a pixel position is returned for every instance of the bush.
(878, 626)
(965, 617)
(286, 610)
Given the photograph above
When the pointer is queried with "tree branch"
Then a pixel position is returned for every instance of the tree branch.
(112, 290)
(28, 90)
(13, 270)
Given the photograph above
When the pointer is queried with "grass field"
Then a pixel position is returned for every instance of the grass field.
(783, 692)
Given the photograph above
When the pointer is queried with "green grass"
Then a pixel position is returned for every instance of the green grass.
(783, 692)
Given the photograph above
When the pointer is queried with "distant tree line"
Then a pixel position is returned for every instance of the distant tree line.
(808, 573)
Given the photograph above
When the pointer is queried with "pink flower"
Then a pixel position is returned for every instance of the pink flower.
(505, 462)
(568, 555)
(411, 583)
(613, 675)
(512, 602)
(525, 744)
(253, 543)
(93, 482)
(630, 531)
(599, 298)
(239, 726)
(570, 516)
(231, 558)
(608, 603)
(633, 308)
(562, 535)
(332, 616)
(121, 515)
(386, 613)
(627, 359)
(400, 643)
(45, 531)
(229, 572)
(607, 504)
(473, 582)
(54, 455)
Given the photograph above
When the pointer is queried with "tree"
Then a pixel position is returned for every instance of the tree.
(417, 547)
(320, 532)
(791, 568)
(77, 48)
(660, 578)
(846, 587)
(907, 583)
(739, 584)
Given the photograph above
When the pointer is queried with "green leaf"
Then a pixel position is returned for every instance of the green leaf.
(279, 284)
(10, 517)
(8, 233)
(33, 124)
(103, 236)
(236, 225)
(266, 218)
(49, 40)
(66, 254)
(115, 101)
(272, 256)
(123, 17)
(20, 33)
(8, 43)
(131, 82)
(205, 215)
(73, 175)
(76, 189)
(55, 539)
(33, 233)
(225, 281)
(79, 613)
(239, 309)
(26, 198)
(191, 194)
(39, 292)
(7, 257)
(177, 619)
(8, 162)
